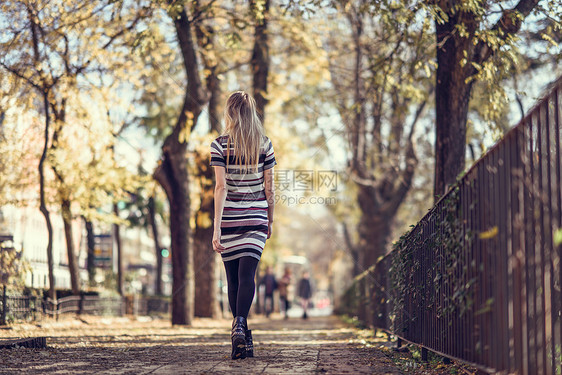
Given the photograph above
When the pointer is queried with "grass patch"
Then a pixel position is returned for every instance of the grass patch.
(409, 361)
(353, 321)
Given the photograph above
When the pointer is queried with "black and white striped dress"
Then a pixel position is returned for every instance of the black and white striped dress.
(244, 219)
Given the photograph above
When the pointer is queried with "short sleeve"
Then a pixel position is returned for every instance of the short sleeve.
(270, 161)
(217, 154)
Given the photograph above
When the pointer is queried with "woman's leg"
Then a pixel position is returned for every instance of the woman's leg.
(286, 306)
(231, 268)
(304, 303)
(268, 302)
(247, 286)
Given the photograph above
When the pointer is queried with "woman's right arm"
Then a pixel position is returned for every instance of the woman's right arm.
(270, 197)
(220, 198)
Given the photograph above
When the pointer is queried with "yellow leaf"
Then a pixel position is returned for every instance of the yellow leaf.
(184, 133)
(490, 233)
(558, 237)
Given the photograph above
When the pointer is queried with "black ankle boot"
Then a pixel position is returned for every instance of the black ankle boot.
(249, 344)
(238, 336)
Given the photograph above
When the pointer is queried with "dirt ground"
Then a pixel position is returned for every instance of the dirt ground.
(130, 345)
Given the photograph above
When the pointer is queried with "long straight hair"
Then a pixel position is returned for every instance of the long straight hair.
(244, 129)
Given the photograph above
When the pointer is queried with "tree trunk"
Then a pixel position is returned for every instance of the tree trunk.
(157, 246)
(66, 211)
(205, 260)
(173, 176)
(72, 262)
(260, 71)
(381, 164)
(43, 206)
(91, 243)
(353, 251)
(452, 95)
(206, 41)
(374, 229)
(452, 92)
(205, 264)
(377, 217)
(260, 58)
(117, 234)
(213, 87)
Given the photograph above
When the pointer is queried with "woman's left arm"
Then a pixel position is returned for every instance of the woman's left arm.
(220, 198)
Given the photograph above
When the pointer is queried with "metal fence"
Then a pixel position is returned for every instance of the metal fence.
(93, 305)
(19, 307)
(479, 277)
(33, 308)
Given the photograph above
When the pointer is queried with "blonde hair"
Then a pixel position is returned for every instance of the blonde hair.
(244, 130)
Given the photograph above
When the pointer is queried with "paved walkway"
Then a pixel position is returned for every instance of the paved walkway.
(131, 346)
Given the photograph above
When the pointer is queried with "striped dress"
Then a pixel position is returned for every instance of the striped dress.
(244, 218)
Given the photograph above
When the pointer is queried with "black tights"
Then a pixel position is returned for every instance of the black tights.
(240, 274)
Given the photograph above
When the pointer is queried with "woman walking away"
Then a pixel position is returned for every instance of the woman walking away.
(243, 161)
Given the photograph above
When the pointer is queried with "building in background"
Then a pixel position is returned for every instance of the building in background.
(27, 228)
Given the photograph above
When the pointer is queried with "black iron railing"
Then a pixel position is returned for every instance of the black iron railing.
(32, 308)
(479, 277)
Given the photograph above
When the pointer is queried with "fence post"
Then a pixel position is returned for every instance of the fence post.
(135, 304)
(4, 306)
(424, 354)
(81, 304)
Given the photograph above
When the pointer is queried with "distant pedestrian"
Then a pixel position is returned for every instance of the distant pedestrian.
(243, 161)
(283, 286)
(270, 284)
(305, 292)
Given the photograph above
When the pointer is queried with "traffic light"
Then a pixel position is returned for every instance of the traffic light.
(165, 253)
